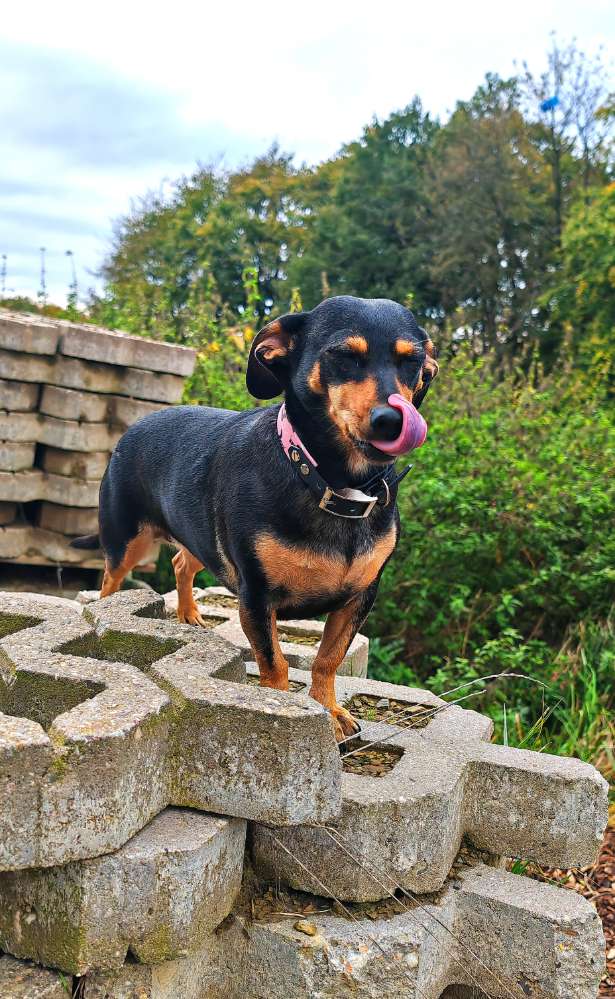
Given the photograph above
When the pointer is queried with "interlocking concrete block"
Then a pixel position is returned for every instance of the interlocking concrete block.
(89, 767)
(16, 457)
(70, 372)
(168, 887)
(114, 347)
(28, 333)
(20, 397)
(8, 512)
(504, 935)
(21, 543)
(240, 750)
(445, 782)
(210, 971)
(299, 640)
(77, 464)
(71, 520)
(22, 980)
(70, 404)
(131, 713)
(33, 484)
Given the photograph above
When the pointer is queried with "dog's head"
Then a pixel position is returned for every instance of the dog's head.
(343, 361)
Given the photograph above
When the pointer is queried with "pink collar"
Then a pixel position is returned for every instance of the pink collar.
(289, 437)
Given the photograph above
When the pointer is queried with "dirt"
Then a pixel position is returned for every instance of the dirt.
(219, 600)
(405, 714)
(374, 762)
(286, 636)
(293, 685)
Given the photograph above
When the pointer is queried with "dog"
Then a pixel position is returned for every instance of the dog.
(292, 507)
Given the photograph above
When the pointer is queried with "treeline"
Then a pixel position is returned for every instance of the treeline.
(482, 223)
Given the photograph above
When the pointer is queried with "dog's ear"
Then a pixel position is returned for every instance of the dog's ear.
(268, 360)
(429, 372)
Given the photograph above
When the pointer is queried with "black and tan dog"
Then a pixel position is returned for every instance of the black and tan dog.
(293, 507)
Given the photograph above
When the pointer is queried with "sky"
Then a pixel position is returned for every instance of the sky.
(101, 103)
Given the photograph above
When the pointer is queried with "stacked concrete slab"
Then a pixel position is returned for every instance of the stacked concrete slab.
(137, 759)
(67, 393)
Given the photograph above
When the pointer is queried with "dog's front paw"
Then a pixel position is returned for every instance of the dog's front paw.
(190, 615)
(343, 722)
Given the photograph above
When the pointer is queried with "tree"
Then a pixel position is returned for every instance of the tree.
(565, 102)
(364, 234)
(487, 197)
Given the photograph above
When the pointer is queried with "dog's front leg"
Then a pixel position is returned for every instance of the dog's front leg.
(260, 627)
(340, 628)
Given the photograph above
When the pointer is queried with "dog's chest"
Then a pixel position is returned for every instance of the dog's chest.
(303, 571)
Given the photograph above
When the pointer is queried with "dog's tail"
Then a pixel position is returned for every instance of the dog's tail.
(90, 541)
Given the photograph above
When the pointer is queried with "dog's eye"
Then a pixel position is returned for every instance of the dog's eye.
(345, 356)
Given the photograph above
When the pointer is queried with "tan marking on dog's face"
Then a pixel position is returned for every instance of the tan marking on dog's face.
(404, 390)
(357, 343)
(350, 404)
(314, 381)
(305, 573)
(404, 348)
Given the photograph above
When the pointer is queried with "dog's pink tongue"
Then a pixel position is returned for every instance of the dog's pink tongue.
(413, 429)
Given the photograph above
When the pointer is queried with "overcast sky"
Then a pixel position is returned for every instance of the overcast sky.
(101, 102)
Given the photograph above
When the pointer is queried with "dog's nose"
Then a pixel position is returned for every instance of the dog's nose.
(386, 423)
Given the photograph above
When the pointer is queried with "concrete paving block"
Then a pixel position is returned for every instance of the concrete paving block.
(445, 783)
(124, 412)
(22, 980)
(99, 733)
(15, 457)
(22, 487)
(169, 886)
(71, 520)
(210, 971)
(77, 464)
(72, 373)
(504, 935)
(20, 397)
(240, 750)
(132, 712)
(24, 544)
(299, 640)
(67, 434)
(70, 404)
(28, 333)
(8, 513)
(115, 347)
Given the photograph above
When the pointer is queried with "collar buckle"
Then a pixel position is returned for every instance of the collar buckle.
(328, 500)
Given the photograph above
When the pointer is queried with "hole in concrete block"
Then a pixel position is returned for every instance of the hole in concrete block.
(11, 623)
(42, 698)
(405, 714)
(293, 685)
(377, 761)
(300, 638)
(219, 600)
(138, 650)
(464, 992)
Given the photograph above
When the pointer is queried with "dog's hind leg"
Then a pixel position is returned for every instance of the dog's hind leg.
(260, 627)
(135, 551)
(186, 567)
